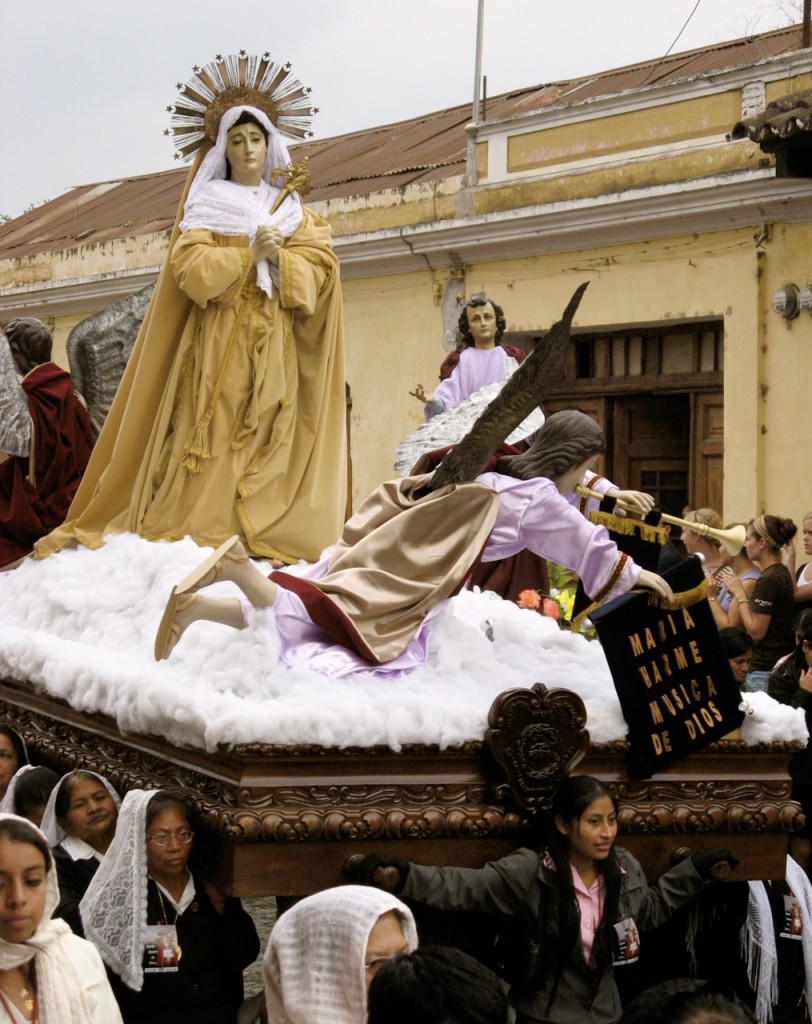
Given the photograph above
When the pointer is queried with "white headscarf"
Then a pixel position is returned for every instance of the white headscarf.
(7, 803)
(114, 908)
(229, 208)
(61, 992)
(51, 828)
(314, 964)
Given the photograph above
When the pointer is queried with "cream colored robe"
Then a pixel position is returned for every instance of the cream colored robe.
(230, 417)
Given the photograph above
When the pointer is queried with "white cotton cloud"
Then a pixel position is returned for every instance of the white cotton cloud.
(81, 624)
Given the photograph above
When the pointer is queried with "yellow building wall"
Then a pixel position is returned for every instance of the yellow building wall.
(606, 136)
(394, 333)
(786, 372)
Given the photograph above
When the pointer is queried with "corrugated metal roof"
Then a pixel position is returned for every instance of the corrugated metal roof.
(426, 148)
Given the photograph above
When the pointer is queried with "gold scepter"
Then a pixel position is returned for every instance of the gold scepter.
(295, 178)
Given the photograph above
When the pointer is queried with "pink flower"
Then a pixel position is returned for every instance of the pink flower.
(550, 608)
(529, 599)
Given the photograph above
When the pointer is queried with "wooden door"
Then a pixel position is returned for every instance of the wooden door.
(707, 446)
(650, 447)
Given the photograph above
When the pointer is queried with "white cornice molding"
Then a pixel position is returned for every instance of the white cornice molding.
(723, 203)
(82, 295)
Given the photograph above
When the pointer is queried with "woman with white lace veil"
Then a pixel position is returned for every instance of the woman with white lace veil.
(175, 945)
(325, 950)
(230, 417)
(47, 973)
(79, 823)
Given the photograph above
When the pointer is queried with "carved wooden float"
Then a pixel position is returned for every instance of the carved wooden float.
(285, 818)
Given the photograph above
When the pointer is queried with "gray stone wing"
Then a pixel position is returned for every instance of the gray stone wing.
(451, 426)
(15, 422)
(98, 350)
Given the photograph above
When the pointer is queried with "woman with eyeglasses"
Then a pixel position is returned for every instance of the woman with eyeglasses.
(324, 952)
(175, 946)
(79, 823)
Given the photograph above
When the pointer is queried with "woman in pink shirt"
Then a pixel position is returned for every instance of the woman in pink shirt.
(579, 901)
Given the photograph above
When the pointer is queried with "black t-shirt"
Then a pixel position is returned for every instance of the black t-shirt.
(774, 595)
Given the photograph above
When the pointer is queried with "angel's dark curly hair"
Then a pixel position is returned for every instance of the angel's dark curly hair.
(473, 303)
(567, 439)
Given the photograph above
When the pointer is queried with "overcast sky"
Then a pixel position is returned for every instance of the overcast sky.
(85, 83)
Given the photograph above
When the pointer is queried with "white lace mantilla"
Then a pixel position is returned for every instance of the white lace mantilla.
(114, 908)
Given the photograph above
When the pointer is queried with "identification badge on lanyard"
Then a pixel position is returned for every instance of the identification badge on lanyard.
(793, 919)
(628, 942)
(161, 948)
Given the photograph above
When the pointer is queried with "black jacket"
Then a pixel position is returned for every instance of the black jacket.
(207, 987)
(511, 887)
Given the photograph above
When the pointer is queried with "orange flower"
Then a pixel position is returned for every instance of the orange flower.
(529, 599)
(550, 608)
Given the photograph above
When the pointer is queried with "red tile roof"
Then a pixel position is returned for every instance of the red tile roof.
(426, 148)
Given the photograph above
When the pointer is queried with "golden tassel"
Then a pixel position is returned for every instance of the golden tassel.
(627, 527)
(197, 446)
(684, 599)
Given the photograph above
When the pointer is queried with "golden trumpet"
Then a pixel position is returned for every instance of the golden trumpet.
(732, 540)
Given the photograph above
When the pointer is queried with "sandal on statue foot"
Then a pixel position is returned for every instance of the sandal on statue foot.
(169, 631)
(209, 570)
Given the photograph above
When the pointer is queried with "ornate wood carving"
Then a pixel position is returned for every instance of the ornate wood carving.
(280, 811)
(457, 802)
(707, 806)
(536, 736)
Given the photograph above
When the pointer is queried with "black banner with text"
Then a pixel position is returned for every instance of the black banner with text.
(670, 670)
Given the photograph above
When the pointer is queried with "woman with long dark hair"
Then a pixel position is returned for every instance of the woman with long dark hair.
(580, 900)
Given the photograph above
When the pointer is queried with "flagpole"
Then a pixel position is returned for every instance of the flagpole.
(470, 162)
(480, 21)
